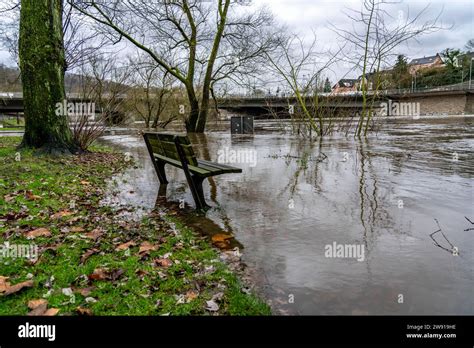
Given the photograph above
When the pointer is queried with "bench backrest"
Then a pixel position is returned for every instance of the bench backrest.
(164, 144)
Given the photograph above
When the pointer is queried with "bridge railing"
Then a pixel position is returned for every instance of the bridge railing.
(77, 96)
(457, 87)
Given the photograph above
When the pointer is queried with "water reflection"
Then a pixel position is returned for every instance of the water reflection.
(383, 192)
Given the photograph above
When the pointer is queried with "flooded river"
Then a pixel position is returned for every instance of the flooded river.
(377, 201)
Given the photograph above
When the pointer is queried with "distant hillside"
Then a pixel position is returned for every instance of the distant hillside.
(10, 81)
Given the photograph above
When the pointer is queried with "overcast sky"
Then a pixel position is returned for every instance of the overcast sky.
(305, 16)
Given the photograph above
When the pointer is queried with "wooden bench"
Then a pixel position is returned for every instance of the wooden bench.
(176, 150)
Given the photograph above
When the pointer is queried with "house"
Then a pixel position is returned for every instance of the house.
(345, 85)
(375, 80)
(368, 79)
(426, 62)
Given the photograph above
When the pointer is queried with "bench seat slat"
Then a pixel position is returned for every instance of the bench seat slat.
(224, 167)
(204, 168)
(195, 170)
(211, 169)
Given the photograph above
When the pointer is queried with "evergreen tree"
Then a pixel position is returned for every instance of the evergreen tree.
(327, 85)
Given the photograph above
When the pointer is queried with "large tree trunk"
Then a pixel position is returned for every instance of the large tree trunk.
(42, 64)
(191, 122)
(222, 9)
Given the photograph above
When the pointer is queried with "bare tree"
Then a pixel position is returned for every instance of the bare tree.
(242, 60)
(371, 42)
(469, 45)
(106, 83)
(9, 25)
(103, 83)
(191, 32)
(152, 89)
(301, 67)
(80, 43)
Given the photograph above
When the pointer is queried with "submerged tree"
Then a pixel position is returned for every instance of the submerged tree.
(42, 65)
(152, 89)
(189, 39)
(299, 67)
(372, 40)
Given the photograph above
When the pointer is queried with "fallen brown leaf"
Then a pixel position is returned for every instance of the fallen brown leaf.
(99, 274)
(125, 246)
(146, 247)
(88, 254)
(9, 198)
(94, 234)
(38, 307)
(31, 197)
(191, 295)
(60, 214)
(86, 291)
(51, 312)
(74, 219)
(17, 287)
(32, 304)
(15, 216)
(77, 229)
(105, 274)
(84, 182)
(163, 262)
(220, 237)
(3, 284)
(141, 273)
(39, 232)
(51, 247)
(83, 311)
(222, 241)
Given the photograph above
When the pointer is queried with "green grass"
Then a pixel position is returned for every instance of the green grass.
(13, 122)
(12, 125)
(34, 187)
(9, 129)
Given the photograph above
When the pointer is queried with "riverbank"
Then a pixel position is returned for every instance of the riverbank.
(383, 192)
(65, 254)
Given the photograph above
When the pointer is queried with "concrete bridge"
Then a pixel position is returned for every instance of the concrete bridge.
(455, 100)
(12, 103)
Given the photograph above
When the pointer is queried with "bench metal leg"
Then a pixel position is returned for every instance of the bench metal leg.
(162, 190)
(159, 165)
(198, 194)
(194, 181)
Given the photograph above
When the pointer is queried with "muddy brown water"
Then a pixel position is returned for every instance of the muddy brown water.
(381, 194)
